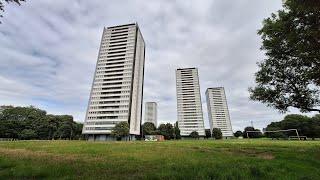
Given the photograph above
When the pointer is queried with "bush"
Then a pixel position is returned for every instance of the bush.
(216, 133)
(238, 134)
(120, 130)
(194, 134)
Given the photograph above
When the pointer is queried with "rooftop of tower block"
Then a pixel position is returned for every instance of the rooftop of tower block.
(186, 68)
(151, 102)
(214, 88)
(131, 24)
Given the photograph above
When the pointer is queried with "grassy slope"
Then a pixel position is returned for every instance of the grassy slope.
(235, 159)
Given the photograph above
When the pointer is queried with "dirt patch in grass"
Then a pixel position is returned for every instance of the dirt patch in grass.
(267, 156)
(23, 153)
(244, 152)
(251, 153)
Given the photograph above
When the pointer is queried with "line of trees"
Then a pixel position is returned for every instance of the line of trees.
(215, 134)
(26, 123)
(306, 126)
(168, 130)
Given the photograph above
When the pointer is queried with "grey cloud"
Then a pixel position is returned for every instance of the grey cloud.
(49, 50)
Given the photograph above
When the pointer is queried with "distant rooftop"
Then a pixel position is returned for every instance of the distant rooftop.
(131, 24)
(186, 68)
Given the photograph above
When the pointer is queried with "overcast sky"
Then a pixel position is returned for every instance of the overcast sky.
(48, 52)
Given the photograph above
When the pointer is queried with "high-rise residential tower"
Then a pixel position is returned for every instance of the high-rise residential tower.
(117, 88)
(150, 114)
(190, 117)
(218, 111)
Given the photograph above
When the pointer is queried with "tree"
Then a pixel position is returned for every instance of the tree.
(14, 120)
(177, 134)
(27, 134)
(194, 134)
(289, 76)
(216, 133)
(77, 128)
(238, 134)
(305, 125)
(120, 130)
(207, 133)
(274, 135)
(251, 134)
(166, 130)
(148, 128)
(8, 1)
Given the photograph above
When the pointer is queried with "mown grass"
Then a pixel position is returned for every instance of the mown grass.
(203, 159)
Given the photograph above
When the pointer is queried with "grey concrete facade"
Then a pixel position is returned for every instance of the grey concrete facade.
(189, 106)
(218, 111)
(117, 89)
(151, 114)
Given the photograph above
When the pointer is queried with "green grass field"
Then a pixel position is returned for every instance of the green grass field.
(202, 159)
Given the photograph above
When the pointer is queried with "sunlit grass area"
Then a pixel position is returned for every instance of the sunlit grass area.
(192, 159)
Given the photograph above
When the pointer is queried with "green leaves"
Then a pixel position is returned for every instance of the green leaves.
(305, 125)
(8, 1)
(120, 130)
(194, 134)
(290, 74)
(148, 128)
(33, 123)
(216, 133)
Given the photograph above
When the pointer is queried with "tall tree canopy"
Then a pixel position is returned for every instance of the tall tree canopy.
(238, 134)
(177, 134)
(256, 134)
(8, 1)
(148, 128)
(216, 133)
(34, 123)
(120, 130)
(207, 133)
(290, 75)
(194, 134)
(306, 126)
(166, 130)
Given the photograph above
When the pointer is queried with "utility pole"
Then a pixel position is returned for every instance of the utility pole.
(251, 123)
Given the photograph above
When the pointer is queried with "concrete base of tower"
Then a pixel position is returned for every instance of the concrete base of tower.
(108, 137)
(190, 138)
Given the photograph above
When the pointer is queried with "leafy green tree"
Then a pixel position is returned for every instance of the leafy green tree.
(275, 135)
(120, 130)
(65, 127)
(77, 129)
(9, 129)
(256, 134)
(305, 125)
(238, 134)
(315, 126)
(216, 133)
(63, 132)
(177, 134)
(289, 76)
(207, 133)
(8, 1)
(148, 128)
(194, 134)
(27, 134)
(166, 130)
(14, 120)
